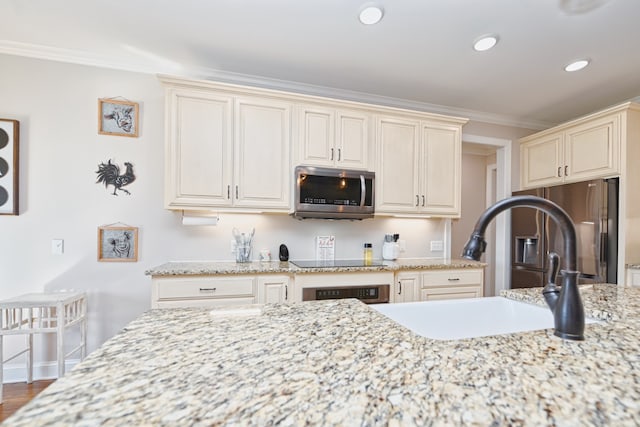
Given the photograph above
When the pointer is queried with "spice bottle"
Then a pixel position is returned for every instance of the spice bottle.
(368, 254)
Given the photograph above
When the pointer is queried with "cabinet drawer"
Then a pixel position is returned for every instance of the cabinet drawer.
(204, 288)
(452, 278)
(454, 292)
(211, 302)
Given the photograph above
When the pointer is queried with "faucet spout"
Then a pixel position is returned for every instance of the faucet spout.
(567, 308)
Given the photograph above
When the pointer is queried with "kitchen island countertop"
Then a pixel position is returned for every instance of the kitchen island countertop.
(178, 268)
(340, 362)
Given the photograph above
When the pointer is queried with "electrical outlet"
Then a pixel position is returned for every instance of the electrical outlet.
(402, 244)
(437, 246)
(233, 246)
(57, 246)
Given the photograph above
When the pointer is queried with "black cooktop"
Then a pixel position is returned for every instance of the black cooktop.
(336, 263)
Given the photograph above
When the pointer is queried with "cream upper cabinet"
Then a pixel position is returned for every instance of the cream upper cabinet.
(226, 151)
(585, 150)
(418, 167)
(442, 155)
(199, 148)
(261, 153)
(333, 137)
(399, 166)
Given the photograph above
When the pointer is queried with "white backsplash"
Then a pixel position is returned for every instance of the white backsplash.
(213, 242)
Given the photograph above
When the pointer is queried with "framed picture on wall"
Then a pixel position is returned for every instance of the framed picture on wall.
(9, 189)
(117, 243)
(116, 117)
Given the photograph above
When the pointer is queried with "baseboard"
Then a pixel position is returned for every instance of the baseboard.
(41, 371)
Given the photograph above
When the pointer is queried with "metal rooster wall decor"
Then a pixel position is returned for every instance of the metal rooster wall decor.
(109, 174)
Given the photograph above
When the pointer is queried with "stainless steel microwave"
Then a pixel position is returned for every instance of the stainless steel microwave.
(333, 193)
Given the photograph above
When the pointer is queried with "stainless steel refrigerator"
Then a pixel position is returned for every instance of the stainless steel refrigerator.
(593, 207)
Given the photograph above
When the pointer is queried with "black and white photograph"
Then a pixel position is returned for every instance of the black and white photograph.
(118, 244)
(117, 117)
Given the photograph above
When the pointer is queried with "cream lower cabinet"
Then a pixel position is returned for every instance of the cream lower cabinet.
(438, 285)
(223, 290)
(226, 150)
(633, 277)
(588, 148)
(202, 291)
(274, 288)
(418, 170)
(333, 137)
(406, 287)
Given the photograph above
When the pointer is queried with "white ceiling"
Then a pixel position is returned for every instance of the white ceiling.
(418, 56)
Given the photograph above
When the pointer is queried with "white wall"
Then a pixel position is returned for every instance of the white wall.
(60, 149)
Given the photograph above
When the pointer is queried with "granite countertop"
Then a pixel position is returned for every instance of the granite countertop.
(341, 363)
(180, 268)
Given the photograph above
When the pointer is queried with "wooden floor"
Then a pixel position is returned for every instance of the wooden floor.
(17, 394)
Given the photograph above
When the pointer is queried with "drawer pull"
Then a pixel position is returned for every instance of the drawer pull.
(207, 289)
(456, 279)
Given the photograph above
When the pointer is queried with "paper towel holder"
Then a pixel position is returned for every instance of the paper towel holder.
(199, 218)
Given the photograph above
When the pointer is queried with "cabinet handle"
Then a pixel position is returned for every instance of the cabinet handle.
(286, 292)
(207, 289)
(332, 154)
(559, 171)
(228, 191)
(236, 191)
(339, 153)
(423, 200)
(454, 279)
(566, 170)
(399, 287)
(417, 200)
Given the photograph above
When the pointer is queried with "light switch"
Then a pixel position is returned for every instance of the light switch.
(437, 246)
(57, 246)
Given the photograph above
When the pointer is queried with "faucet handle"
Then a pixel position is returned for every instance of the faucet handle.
(551, 291)
(554, 267)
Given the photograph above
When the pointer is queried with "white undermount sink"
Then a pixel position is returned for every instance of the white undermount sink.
(468, 318)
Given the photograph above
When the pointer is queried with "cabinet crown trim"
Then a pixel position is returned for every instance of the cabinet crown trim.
(627, 106)
(236, 89)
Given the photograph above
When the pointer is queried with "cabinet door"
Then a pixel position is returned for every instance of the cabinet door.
(273, 289)
(198, 149)
(261, 165)
(592, 150)
(352, 139)
(398, 172)
(440, 193)
(316, 136)
(542, 161)
(407, 287)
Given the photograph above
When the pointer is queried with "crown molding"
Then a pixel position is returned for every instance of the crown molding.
(142, 65)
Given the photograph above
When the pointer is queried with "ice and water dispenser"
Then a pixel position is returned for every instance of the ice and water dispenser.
(527, 250)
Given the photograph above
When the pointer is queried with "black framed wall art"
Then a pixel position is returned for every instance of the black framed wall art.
(9, 190)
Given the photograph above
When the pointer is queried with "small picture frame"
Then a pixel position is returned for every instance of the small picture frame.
(116, 117)
(117, 244)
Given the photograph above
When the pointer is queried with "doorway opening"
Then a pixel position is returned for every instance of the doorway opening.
(486, 178)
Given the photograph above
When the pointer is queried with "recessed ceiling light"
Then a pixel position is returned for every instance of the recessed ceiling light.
(485, 43)
(577, 65)
(370, 15)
